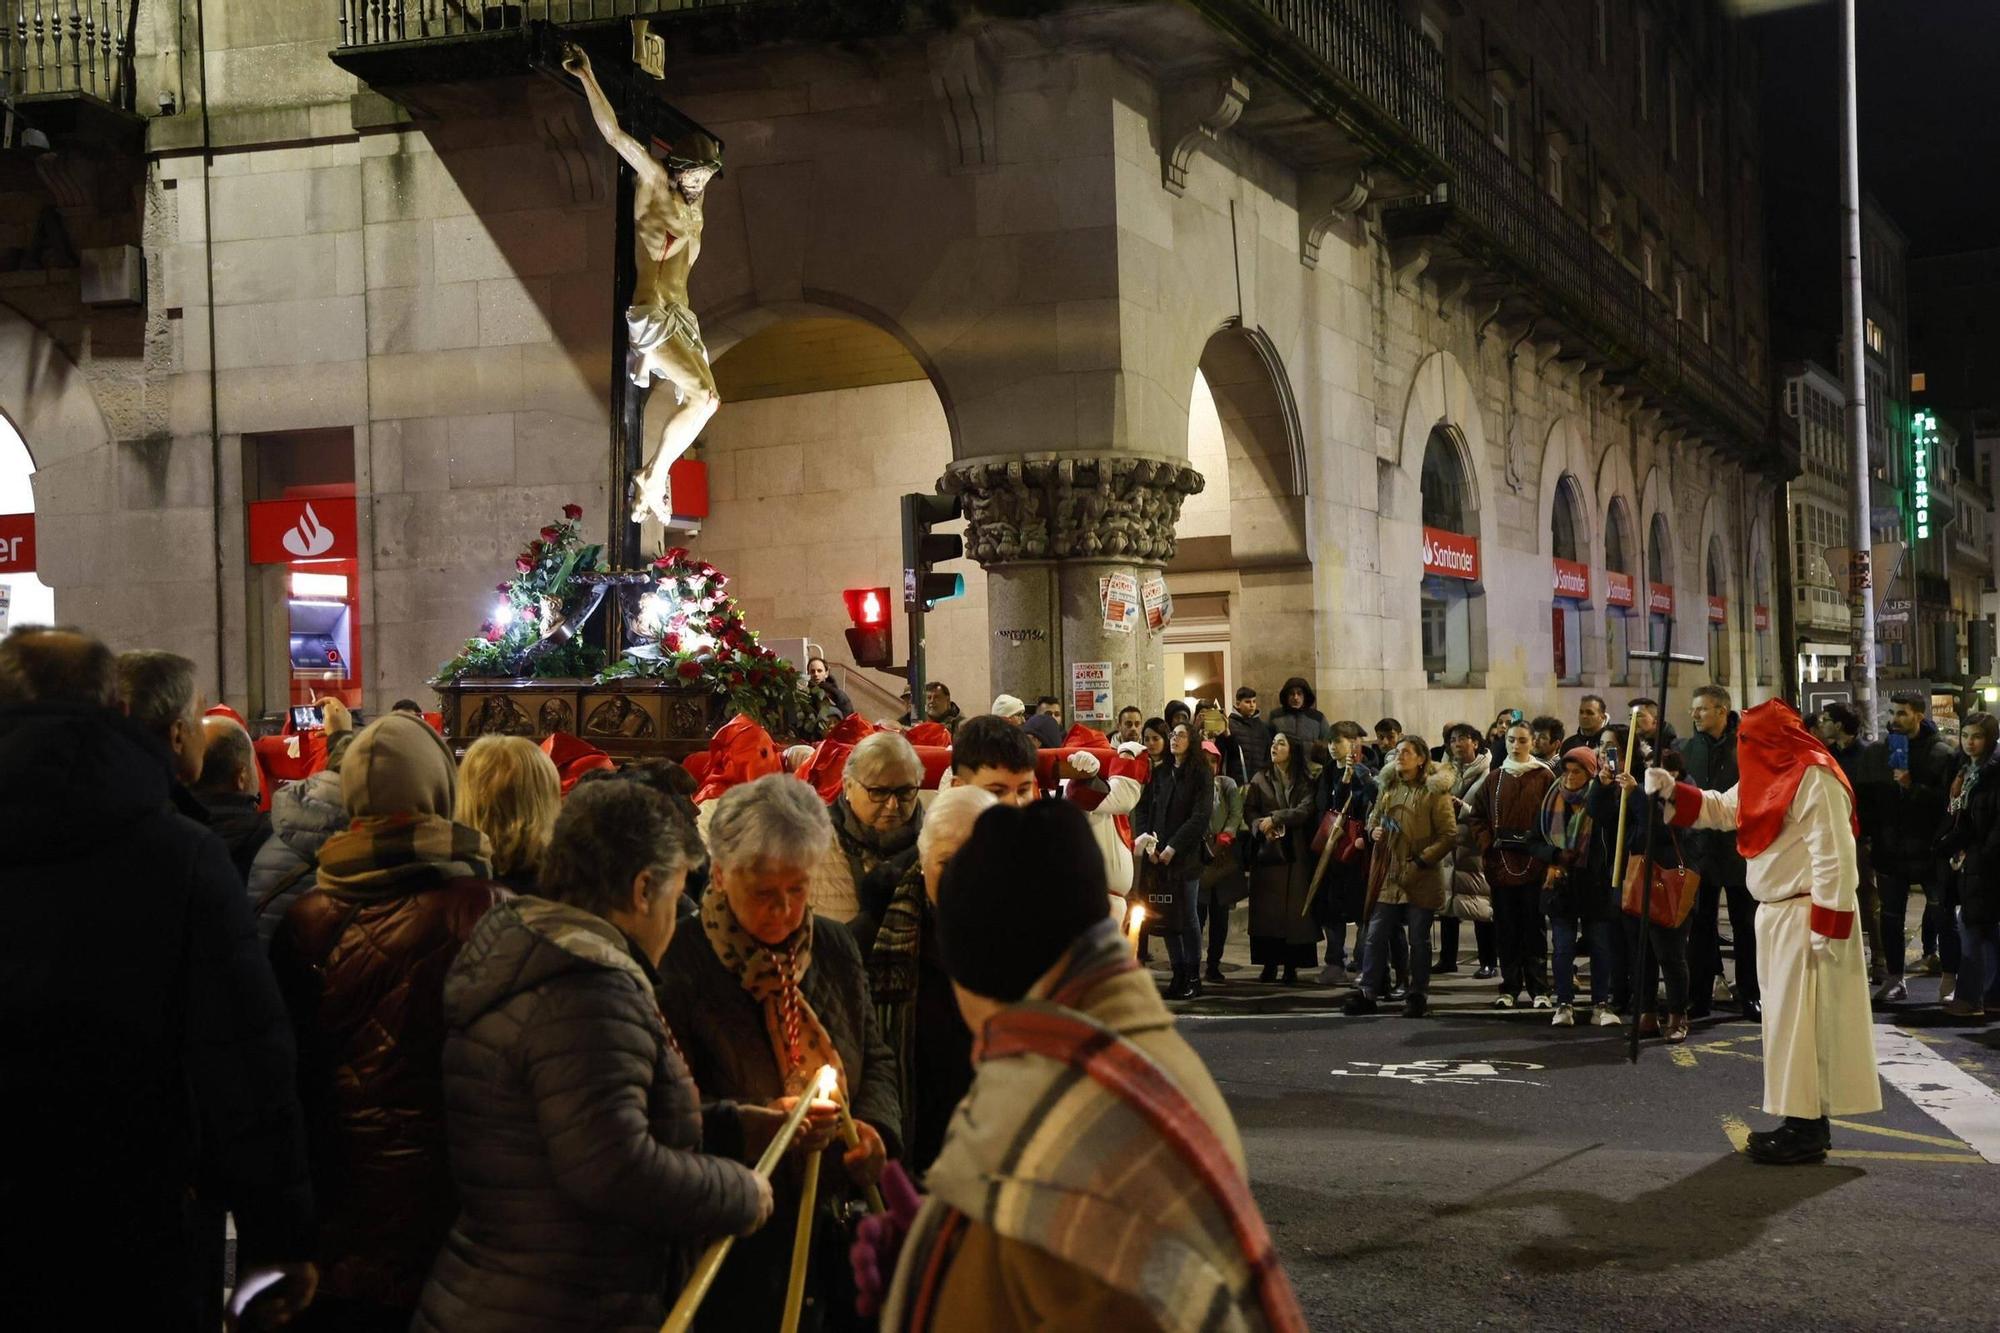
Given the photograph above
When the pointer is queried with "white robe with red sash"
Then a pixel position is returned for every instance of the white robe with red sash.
(1819, 1037)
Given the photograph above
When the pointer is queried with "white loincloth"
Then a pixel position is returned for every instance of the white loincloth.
(1819, 1037)
(651, 326)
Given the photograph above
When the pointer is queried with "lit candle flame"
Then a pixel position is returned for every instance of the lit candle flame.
(826, 1083)
(1138, 917)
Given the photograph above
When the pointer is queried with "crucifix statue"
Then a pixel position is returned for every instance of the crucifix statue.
(665, 341)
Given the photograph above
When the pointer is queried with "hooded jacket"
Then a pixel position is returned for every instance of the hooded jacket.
(575, 1135)
(148, 1079)
(1419, 829)
(361, 959)
(304, 814)
(1253, 742)
(1711, 766)
(1305, 726)
(1901, 823)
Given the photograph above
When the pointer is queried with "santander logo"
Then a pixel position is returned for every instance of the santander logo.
(308, 537)
(1571, 579)
(1451, 554)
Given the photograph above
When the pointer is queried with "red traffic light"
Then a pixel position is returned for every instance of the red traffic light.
(867, 607)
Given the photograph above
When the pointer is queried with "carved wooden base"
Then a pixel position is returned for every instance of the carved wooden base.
(627, 719)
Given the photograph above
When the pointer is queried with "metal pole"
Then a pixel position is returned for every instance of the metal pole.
(1861, 581)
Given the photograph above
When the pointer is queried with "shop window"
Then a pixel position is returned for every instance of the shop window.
(1571, 584)
(1451, 599)
(1659, 591)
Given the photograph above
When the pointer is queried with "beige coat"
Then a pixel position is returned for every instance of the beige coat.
(1426, 829)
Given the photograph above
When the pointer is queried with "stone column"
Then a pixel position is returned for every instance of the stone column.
(1047, 528)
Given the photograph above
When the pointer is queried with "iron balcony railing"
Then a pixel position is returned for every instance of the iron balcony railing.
(50, 47)
(379, 22)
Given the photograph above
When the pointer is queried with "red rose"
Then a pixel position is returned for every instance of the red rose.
(717, 624)
(494, 634)
(535, 548)
(705, 569)
(671, 642)
(688, 670)
(676, 554)
(550, 534)
(503, 587)
(524, 564)
(572, 512)
(757, 676)
(735, 679)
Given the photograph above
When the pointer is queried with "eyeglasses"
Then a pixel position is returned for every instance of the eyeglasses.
(900, 795)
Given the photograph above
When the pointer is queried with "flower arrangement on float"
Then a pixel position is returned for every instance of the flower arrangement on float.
(698, 637)
(536, 604)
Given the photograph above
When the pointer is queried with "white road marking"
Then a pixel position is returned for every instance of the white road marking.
(1443, 1071)
(1949, 1095)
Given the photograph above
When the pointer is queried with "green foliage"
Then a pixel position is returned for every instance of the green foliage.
(545, 584)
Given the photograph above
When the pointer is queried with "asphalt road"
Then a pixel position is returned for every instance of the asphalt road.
(1481, 1169)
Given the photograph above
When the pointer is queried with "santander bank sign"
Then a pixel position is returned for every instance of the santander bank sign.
(1452, 555)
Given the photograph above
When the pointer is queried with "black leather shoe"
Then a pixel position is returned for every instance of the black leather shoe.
(1269, 976)
(1445, 969)
(1291, 976)
(1485, 973)
(1358, 1003)
(1185, 987)
(1413, 1007)
(1214, 973)
(1753, 1011)
(1794, 1143)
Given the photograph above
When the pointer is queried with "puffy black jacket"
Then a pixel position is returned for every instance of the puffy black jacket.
(721, 1030)
(1253, 742)
(1175, 807)
(1711, 765)
(1902, 823)
(148, 1080)
(1307, 726)
(1975, 832)
(575, 1135)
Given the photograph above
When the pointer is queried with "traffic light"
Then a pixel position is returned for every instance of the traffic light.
(923, 548)
(872, 642)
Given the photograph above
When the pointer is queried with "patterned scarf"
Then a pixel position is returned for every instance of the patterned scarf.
(799, 1041)
(1564, 822)
(892, 982)
(387, 856)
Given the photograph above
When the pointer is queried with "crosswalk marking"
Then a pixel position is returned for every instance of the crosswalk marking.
(1949, 1095)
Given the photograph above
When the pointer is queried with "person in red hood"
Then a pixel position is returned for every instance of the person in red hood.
(1793, 812)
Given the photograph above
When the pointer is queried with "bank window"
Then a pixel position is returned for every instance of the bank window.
(1567, 612)
(1451, 604)
(1718, 630)
(1618, 619)
(1659, 570)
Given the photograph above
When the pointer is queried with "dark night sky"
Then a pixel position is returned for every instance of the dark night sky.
(1930, 141)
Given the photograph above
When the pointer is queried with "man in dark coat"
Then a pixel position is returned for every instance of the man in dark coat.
(1710, 757)
(228, 790)
(149, 1079)
(1298, 716)
(1902, 810)
(1251, 733)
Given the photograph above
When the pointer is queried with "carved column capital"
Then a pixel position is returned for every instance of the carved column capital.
(1091, 507)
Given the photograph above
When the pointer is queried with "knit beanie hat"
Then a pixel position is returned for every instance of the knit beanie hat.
(1007, 705)
(1583, 757)
(396, 766)
(1024, 886)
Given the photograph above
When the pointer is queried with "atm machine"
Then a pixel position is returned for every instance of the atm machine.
(323, 613)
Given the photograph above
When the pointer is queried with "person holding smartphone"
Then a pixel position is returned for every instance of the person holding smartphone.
(1903, 783)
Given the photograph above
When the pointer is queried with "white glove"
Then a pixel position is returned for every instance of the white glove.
(1822, 946)
(1131, 749)
(1084, 764)
(1659, 783)
(1144, 843)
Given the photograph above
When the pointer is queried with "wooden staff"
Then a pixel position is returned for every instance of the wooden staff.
(682, 1315)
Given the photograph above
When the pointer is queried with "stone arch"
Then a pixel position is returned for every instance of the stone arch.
(1440, 405)
(1656, 501)
(1264, 479)
(1440, 395)
(1566, 458)
(47, 399)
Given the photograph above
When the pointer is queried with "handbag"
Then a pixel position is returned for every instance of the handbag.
(1674, 889)
(1270, 852)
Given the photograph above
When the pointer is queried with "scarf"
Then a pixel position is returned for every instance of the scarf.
(865, 847)
(892, 981)
(1091, 1154)
(799, 1041)
(1519, 766)
(1469, 775)
(378, 857)
(1968, 778)
(1564, 821)
(1773, 752)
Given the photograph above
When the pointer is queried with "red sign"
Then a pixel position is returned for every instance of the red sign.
(282, 531)
(1718, 609)
(1618, 589)
(1660, 598)
(1760, 617)
(1451, 554)
(688, 479)
(17, 543)
(1572, 580)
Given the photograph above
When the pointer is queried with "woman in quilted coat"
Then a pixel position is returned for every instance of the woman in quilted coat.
(576, 1131)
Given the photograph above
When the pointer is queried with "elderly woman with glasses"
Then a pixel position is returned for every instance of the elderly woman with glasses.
(875, 822)
(762, 992)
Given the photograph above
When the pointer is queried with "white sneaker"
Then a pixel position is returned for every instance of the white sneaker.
(1565, 1017)
(1504, 1002)
(1605, 1017)
(1543, 1002)
(1894, 992)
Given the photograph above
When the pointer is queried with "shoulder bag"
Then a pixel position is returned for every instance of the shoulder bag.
(1674, 888)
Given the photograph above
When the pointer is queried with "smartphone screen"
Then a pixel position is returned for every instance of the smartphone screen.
(306, 717)
(1899, 751)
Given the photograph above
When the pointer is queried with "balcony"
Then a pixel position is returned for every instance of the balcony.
(66, 75)
(1486, 222)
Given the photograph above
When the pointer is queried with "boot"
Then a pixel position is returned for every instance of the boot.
(1214, 972)
(1794, 1143)
(1269, 976)
(1185, 984)
(1361, 1002)
(1413, 1006)
(1291, 976)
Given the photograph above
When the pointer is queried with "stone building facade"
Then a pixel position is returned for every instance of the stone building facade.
(1459, 305)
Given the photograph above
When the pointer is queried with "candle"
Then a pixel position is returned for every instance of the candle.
(852, 1138)
(710, 1263)
(795, 1286)
(1135, 921)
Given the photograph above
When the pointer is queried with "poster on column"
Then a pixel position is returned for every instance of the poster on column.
(1121, 603)
(1157, 602)
(1090, 691)
(6, 596)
